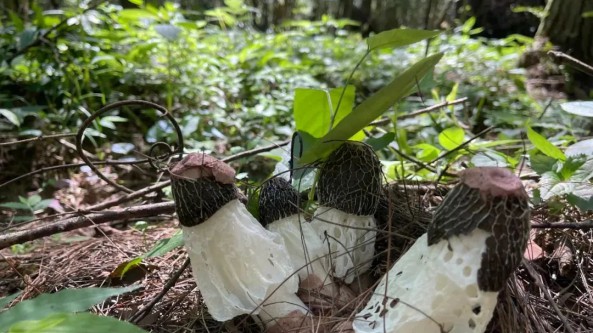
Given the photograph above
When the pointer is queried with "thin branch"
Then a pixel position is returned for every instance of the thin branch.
(461, 146)
(88, 220)
(73, 165)
(138, 316)
(576, 225)
(431, 108)
(93, 217)
(546, 291)
(38, 138)
(573, 62)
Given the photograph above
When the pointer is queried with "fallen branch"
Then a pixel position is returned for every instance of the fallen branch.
(86, 220)
(575, 225)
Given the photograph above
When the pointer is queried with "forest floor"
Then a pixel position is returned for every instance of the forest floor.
(550, 292)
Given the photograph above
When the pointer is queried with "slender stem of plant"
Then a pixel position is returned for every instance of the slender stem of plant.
(39, 138)
(346, 86)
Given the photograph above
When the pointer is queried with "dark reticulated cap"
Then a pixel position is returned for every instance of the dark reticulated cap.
(350, 179)
(492, 199)
(201, 185)
(277, 200)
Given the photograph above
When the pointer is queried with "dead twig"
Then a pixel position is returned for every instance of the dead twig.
(138, 316)
(86, 220)
(572, 62)
(38, 138)
(575, 225)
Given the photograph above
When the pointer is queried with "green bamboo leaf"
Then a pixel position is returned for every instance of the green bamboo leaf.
(545, 146)
(165, 245)
(11, 116)
(370, 109)
(399, 37)
(75, 323)
(67, 300)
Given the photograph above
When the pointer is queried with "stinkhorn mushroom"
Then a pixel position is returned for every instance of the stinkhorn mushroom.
(449, 280)
(280, 212)
(239, 266)
(348, 192)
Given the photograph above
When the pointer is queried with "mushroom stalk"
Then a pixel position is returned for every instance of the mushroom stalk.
(348, 191)
(280, 213)
(449, 280)
(239, 267)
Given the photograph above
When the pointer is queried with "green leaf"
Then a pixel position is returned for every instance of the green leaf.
(571, 165)
(43, 204)
(399, 37)
(67, 300)
(11, 116)
(588, 14)
(4, 301)
(545, 146)
(15, 205)
(165, 245)
(135, 14)
(125, 266)
(582, 203)
(451, 138)
(170, 32)
(16, 21)
(584, 147)
(580, 108)
(382, 141)
(427, 152)
(541, 163)
(313, 109)
(75, 323)
(370, 109)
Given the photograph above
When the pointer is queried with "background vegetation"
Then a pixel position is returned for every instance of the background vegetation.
(237, 75)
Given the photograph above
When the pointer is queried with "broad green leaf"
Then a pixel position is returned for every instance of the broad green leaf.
(313, 109)
(541, 163)
(135, 14)
(451, 138)
(398, 38)
(582, 203)
(170, 32)
(580, 108)
(33, 200)
(16, 21)
(426, 152)
(382, 141)
(4, 301)
(122, 147)
(489, 159)
(75, 323)
(165, 245)
(545, 146)
(571, 165)
(11, 116)
(43, 204)
(584, 147)
(67, 300)
(370, 109)
(125, 266)
(15, 205)
(588, 14)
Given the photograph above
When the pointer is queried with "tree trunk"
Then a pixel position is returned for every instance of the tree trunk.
(566, 27)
